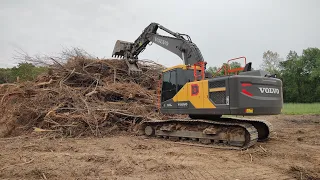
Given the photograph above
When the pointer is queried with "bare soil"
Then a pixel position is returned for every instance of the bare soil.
(293, 152)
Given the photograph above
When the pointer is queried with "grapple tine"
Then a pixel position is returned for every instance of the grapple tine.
(120, 50)
(121, 47)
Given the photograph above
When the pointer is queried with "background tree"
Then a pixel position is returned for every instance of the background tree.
(270, 62)
(5, 75)
(310, 60)
(289, 70)
(235, 64)
(301, 76)
(25, 71)
(214, 70)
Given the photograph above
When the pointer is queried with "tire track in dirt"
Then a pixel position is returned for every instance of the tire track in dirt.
(172, 166)
(210, 176)
(178, 161)
(196, 170)
(193, 170)
(179, 168)
(215, 169)
(199, 173)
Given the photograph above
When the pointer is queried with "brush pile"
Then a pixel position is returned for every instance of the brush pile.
(80, 96)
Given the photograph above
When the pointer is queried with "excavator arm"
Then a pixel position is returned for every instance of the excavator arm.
(179, 44)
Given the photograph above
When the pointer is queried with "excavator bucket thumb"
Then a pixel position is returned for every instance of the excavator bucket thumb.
(133, 67)
(120, 50)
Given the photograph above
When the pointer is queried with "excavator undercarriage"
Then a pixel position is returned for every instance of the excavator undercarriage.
(229, 133)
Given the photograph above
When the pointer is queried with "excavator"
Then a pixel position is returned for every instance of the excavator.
(216, 105)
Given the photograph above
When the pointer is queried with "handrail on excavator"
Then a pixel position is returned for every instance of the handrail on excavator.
(227, 66)
(242, 57)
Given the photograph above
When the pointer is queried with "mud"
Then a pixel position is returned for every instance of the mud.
(293, 152)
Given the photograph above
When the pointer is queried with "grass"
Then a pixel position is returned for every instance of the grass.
(300, 108)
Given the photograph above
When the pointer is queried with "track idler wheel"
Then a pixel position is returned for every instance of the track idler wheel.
(149, 131)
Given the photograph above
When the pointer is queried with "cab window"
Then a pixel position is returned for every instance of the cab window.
(169, 85)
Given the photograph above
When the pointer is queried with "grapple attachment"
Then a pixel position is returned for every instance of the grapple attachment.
(122, 50)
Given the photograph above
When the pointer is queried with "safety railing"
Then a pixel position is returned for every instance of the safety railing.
(227, 68)
(202, 69)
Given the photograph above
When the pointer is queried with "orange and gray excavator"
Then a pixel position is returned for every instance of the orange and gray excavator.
(206, 99)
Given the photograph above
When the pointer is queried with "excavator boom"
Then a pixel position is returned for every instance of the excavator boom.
(179, 44)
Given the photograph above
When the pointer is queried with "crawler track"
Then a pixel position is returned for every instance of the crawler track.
(263, 127)
(227, 133)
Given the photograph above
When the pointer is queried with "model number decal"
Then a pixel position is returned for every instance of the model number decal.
(182, 104)
(161, 41)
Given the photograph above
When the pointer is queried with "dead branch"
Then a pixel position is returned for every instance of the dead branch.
(83, 96)
(45, 83)
(263, 148)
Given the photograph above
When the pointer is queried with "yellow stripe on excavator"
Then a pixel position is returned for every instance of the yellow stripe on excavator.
(196, 93)
(182, 66)
(217, 89)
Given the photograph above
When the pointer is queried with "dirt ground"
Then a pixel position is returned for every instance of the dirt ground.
(293, 152)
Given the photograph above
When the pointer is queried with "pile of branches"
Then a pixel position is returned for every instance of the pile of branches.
(80, 96)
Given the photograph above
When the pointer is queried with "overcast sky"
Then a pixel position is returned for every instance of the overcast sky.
(221, 29)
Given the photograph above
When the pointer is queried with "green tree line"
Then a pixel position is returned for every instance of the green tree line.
(23, 71)
(221, 71)
(300, 74)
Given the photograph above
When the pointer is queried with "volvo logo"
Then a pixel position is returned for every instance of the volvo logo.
(161, 41)
(269, 90)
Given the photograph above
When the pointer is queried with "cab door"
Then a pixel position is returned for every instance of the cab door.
(169, 89)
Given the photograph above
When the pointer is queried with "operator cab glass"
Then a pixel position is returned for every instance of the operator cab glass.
(173, 81)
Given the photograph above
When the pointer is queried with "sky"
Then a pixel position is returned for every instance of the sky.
(221, 29)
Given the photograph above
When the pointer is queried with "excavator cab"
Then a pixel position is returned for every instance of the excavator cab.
(119, 51)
